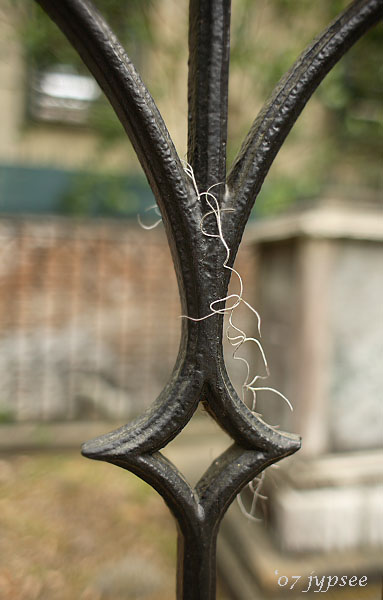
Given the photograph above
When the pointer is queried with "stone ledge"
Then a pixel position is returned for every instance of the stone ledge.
(325, 221)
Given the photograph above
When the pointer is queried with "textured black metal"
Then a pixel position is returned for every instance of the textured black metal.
(199, 373)
(209, 53)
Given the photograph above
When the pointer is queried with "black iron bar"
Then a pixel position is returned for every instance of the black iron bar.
(209, 53)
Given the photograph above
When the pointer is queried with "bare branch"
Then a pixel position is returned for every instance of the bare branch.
(287, 102)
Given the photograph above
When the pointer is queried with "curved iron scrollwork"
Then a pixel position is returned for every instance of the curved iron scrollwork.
(199, 374)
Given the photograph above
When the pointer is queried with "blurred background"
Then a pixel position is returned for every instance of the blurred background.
(89, 308)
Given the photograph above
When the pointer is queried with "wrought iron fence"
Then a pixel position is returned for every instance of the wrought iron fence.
(89, 318)
(199, 374)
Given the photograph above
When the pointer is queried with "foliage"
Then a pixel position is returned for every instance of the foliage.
(6, 415)
(102, 193)
(266, 39)
(46, 46)
(349, 98)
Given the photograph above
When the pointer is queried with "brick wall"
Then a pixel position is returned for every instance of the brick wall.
(89, 323)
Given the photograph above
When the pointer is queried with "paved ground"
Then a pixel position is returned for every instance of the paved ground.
(73, 529)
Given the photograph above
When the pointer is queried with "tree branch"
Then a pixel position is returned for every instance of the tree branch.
(280, 112)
